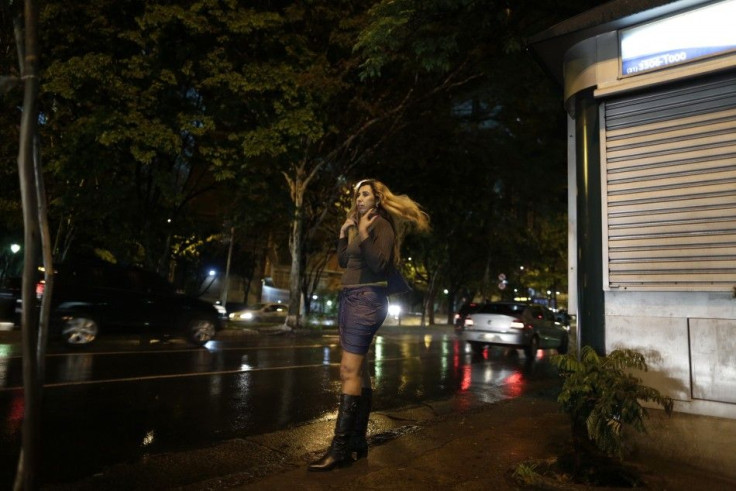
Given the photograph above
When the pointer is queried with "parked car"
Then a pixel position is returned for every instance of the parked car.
(465, 310)
(515, 325)
(94, 298)
(262, 312)
(221, 311)
(9, 295)
(563, 317)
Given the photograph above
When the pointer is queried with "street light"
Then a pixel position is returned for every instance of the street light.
(14, 248)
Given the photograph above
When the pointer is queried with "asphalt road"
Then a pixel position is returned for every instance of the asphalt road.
(121, 400)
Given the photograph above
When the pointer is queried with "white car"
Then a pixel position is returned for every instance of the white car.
(262, 312)
(515, 325)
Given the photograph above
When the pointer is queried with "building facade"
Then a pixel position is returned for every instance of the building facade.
(650, 92)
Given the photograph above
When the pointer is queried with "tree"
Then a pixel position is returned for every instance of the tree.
(126, 130)
(36, 240)
(11, 219)
(160, 117)
(500, 144)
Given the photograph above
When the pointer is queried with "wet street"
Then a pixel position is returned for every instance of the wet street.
(119, 400)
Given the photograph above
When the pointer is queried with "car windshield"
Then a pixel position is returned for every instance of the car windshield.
(502, 308)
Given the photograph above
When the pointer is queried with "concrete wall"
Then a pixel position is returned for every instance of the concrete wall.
(689, 341)
(700, 442)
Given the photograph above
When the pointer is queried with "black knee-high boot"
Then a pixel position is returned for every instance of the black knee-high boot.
(339, 453)
(358, 442)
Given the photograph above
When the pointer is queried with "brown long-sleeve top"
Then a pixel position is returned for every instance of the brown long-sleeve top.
(367, 261)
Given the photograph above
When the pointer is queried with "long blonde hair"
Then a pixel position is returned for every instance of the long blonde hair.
(403, 213)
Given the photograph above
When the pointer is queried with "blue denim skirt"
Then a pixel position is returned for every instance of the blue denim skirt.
(361, 312)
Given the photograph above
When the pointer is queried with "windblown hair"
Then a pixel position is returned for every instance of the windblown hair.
(403, 213)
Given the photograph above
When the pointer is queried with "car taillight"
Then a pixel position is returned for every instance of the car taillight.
(469, 322)
(518, 324)
(40, 288)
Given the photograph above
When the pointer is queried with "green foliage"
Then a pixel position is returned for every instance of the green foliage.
(602, 395)
(164, 119)
(527, 475)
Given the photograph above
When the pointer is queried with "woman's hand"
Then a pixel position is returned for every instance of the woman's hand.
(349, 222)
(366, 220)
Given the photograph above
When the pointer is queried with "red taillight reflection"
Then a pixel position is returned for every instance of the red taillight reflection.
(15, 417)
(514, 384)
(40, 288)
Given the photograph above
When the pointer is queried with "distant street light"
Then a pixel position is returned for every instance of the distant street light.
(14, 248)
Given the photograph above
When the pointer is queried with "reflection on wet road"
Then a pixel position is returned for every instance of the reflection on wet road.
(121, 400)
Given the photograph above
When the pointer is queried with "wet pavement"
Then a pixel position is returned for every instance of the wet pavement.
(429, 447)
(123, 402)
(436, 445)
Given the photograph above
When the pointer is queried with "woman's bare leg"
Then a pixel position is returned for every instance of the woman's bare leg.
(365, 375)
(351, 373)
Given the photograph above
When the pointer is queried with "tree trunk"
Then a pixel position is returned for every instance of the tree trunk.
(226, 281)
(430, 296)
(297, 187)
(295, 247)
(298, 183)
(28, 464)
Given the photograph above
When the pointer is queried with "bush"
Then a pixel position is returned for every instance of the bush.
(601, 396)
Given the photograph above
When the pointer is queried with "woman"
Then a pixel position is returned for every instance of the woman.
(368, 249)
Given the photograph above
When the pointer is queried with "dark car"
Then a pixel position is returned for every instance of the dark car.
(465, 310)
(515, 325)
(95, 298)
(563, 317)
(9, 295)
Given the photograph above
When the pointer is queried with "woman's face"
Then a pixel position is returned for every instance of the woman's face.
(365, 200)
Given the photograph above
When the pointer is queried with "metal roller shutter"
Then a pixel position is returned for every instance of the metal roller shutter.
(670, 188)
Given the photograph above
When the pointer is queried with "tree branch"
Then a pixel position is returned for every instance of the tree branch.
(7, 83)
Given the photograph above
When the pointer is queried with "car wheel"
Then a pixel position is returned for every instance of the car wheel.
(477, 347)
(531, 350)
(564, 343)
(79, 329)
(201, 330)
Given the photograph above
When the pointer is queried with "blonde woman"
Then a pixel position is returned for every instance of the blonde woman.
(368, 249)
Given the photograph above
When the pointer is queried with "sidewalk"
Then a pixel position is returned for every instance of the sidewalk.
(429, 447)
